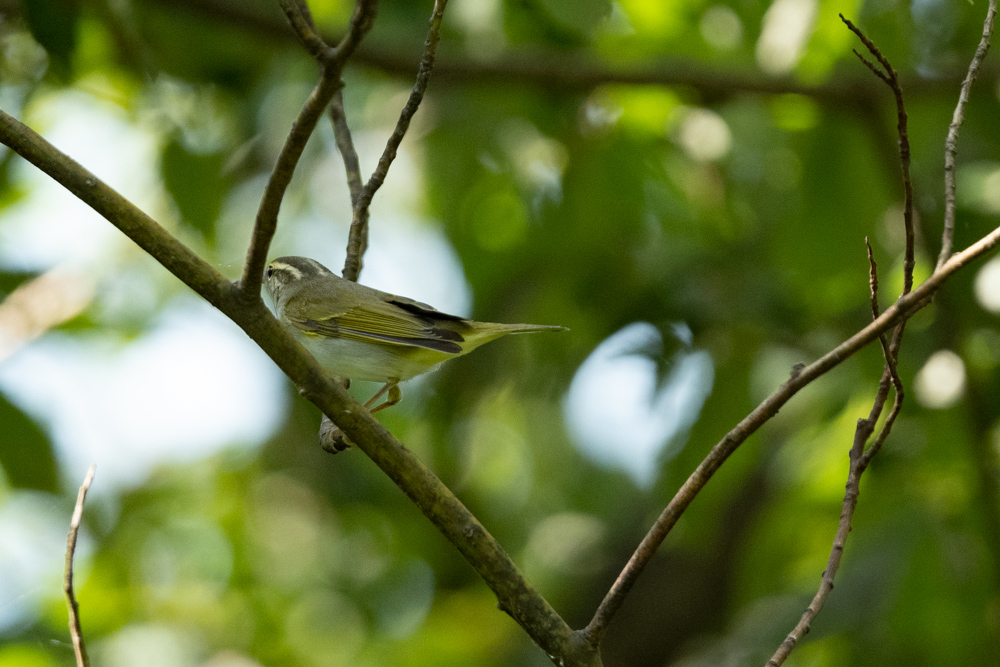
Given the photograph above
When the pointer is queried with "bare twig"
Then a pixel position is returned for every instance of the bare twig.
(869, 64)
(359, 223)
(75, 630)
(267, 213)
(891, 78)
(873, 289)
(860, 459)
(361, 23)
(357, 240)
(300, 18)
(416, 96)
(332, 62)
(951, 142)
(345, 143)
(861, 435)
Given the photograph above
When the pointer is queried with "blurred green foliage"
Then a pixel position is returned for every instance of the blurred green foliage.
(741, 214)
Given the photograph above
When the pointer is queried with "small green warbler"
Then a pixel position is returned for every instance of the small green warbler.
(361, 333)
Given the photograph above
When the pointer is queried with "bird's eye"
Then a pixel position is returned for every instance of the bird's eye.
(269, 272)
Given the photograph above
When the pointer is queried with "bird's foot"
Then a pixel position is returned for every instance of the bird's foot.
(331, 438)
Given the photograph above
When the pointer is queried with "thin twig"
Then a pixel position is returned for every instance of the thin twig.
(345, 143)
(861, 435)
(873, 289)
(332, 64)
(891, 78)
(869, 64)
(359, 221)
(859, 462)
(357, 241)
(267, 213)
(890, 371)
(951, 142)
(300, 18)
(416, 96)
(75, 630)
(860, 459)
(361, 23)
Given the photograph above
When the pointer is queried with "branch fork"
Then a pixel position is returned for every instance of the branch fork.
(242, 303)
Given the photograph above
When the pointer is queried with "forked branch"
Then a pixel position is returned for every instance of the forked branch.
(459, 526)
(859, 460)
(904, 307)
(358, 238)
(456, 523)
(895, 316)
(860, 457)
(891, 79)
(332, 63)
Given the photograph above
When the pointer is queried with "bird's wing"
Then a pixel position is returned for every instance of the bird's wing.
(383, 322)
(418, 308)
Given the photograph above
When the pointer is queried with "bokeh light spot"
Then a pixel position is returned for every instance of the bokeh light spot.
(618, 411)
(988, 286)
(721, 27)
(787, 25)
(941, 382)
(704, 135)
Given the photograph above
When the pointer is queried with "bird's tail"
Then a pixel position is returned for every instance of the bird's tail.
(526, 328)
(487, 331)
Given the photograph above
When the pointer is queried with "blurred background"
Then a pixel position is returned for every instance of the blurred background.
(685, 184)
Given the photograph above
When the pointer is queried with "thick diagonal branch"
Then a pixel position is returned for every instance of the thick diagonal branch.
(432, 497)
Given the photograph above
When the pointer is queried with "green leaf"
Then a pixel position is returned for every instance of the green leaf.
(11, 281)
(196, 184)
(580, 16)
(26, 454)
(53, 24)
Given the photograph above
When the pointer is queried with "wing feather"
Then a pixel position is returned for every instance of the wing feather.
(385, 322)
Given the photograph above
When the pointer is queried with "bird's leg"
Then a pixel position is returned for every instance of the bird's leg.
(331, 438)
(395, 396)
(371, 401)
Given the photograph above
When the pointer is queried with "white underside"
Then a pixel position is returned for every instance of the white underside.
(360, 361)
